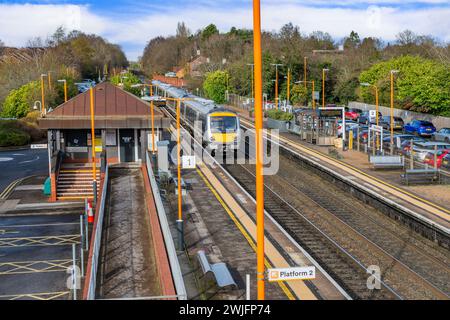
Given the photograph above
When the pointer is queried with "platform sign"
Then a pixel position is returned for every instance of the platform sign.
(39, 146)
(295, 273)
(188, 162)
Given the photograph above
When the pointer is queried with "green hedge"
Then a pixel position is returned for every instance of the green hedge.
(10, 138)
(279, 115)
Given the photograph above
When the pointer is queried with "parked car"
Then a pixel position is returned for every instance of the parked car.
(385, 122)
(400, 138)
(349, 125)
(429, 157)
(405, 147)
(442, 135)
(420, 149)
(446, 161)
(352, 113)
(367, 118)
(420, 127)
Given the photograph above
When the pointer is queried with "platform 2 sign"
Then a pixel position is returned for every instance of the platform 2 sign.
(296, 273)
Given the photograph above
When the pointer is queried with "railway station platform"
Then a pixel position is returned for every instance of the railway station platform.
(427, 205)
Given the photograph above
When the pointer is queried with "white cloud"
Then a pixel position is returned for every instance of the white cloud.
(18, 23)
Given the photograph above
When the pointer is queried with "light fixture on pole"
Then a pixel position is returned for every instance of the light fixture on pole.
(392, 73)
(366, 84)
(65, 88)
(324, 71)
(42, 91)
(276, 65)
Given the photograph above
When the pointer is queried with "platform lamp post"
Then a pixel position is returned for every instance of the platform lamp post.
(276, 65)
(49, 78)
(43, 91)
(324, 71)
(65, 88)
(257, 58)
(392, 73)
(313, 88)
(152, 113)
(365, 84)
(304, 70)
(94, 164)
(253, 81)
(288, 87)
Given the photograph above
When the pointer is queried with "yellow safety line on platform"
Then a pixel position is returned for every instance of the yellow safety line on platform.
(299, 287)
(399, 192)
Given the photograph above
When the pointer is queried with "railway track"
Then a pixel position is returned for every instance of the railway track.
(335, 236)
(345, 236)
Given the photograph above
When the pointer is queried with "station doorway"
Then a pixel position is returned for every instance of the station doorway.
(127, 145)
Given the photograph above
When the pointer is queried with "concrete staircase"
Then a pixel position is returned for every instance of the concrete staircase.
(75, 182)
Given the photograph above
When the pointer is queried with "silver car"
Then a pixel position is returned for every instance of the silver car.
(442, 135)
(421, 149)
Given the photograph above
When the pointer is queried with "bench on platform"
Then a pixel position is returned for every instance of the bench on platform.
(421, 176)
(219, 270)
(387, 162)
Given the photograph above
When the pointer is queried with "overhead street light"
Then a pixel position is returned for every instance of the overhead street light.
(42, 91)
(392, 73)
(366, 84)
(276, 65)
(325, 70)
(65, 88)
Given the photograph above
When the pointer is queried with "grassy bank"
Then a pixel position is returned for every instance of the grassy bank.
(20, 132)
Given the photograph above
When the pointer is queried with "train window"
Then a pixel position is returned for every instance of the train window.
(223, 124)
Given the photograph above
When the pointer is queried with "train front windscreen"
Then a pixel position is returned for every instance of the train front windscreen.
(223, 124)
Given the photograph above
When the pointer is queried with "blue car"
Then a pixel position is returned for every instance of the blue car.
(420, 128)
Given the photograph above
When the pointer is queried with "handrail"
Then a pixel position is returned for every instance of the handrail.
(91, 276)
(170, 246)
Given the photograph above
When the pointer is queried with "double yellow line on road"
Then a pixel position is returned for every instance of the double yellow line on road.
(8, 190)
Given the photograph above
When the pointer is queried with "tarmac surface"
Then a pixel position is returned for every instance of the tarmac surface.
(36, 254)
(16, 164)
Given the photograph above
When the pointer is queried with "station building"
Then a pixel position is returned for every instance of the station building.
(122, 134)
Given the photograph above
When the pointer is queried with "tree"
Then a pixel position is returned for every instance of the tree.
(18, 103)
(298, 93)
(421, 85)
(182, 30)
(352, 41)
(215, 86)
(128, 80)
(209, 31)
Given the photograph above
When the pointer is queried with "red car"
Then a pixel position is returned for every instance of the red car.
(353, 113)
(429, 158)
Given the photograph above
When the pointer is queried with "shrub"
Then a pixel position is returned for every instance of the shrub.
(10, 135)
(279, 115)
(215, 86)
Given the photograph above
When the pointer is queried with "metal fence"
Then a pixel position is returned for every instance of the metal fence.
(97, 239)
(406, 115)
(168, 240)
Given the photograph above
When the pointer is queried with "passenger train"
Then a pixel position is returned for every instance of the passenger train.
(220, 126)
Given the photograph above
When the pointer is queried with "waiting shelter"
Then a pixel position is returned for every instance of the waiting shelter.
(122, 124)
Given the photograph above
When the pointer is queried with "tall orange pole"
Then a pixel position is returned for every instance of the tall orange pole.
(94, 165)
(392, 108)
(313, 97)
(323, 88)
(49, 80)
(65, 91)
(259, 150)
(180, 212)
(42, 93)
(304, 71)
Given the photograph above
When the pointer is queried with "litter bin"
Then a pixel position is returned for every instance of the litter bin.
(47, 187)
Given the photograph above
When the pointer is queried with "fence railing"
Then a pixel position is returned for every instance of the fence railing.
(98, 227)
(168, 240)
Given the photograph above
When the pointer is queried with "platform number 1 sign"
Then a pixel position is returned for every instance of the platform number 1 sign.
(188, 162)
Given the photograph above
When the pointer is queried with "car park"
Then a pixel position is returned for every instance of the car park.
(352, 113)
(429, 157)
(420, 127)
(421, 149)
(385, 122)
(369, 117)
(446, 161)
(400, 138)
(349, 125)
(442, 135)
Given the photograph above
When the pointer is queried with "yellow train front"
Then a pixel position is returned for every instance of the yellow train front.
(222, 130)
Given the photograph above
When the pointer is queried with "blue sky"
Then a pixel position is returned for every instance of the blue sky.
(131, 23)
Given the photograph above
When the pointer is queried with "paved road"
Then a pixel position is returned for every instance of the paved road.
(21, 163)
(35, 253)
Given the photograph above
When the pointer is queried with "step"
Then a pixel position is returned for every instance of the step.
(64, 198)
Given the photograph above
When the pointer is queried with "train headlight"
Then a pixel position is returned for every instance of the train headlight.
(212, 139)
